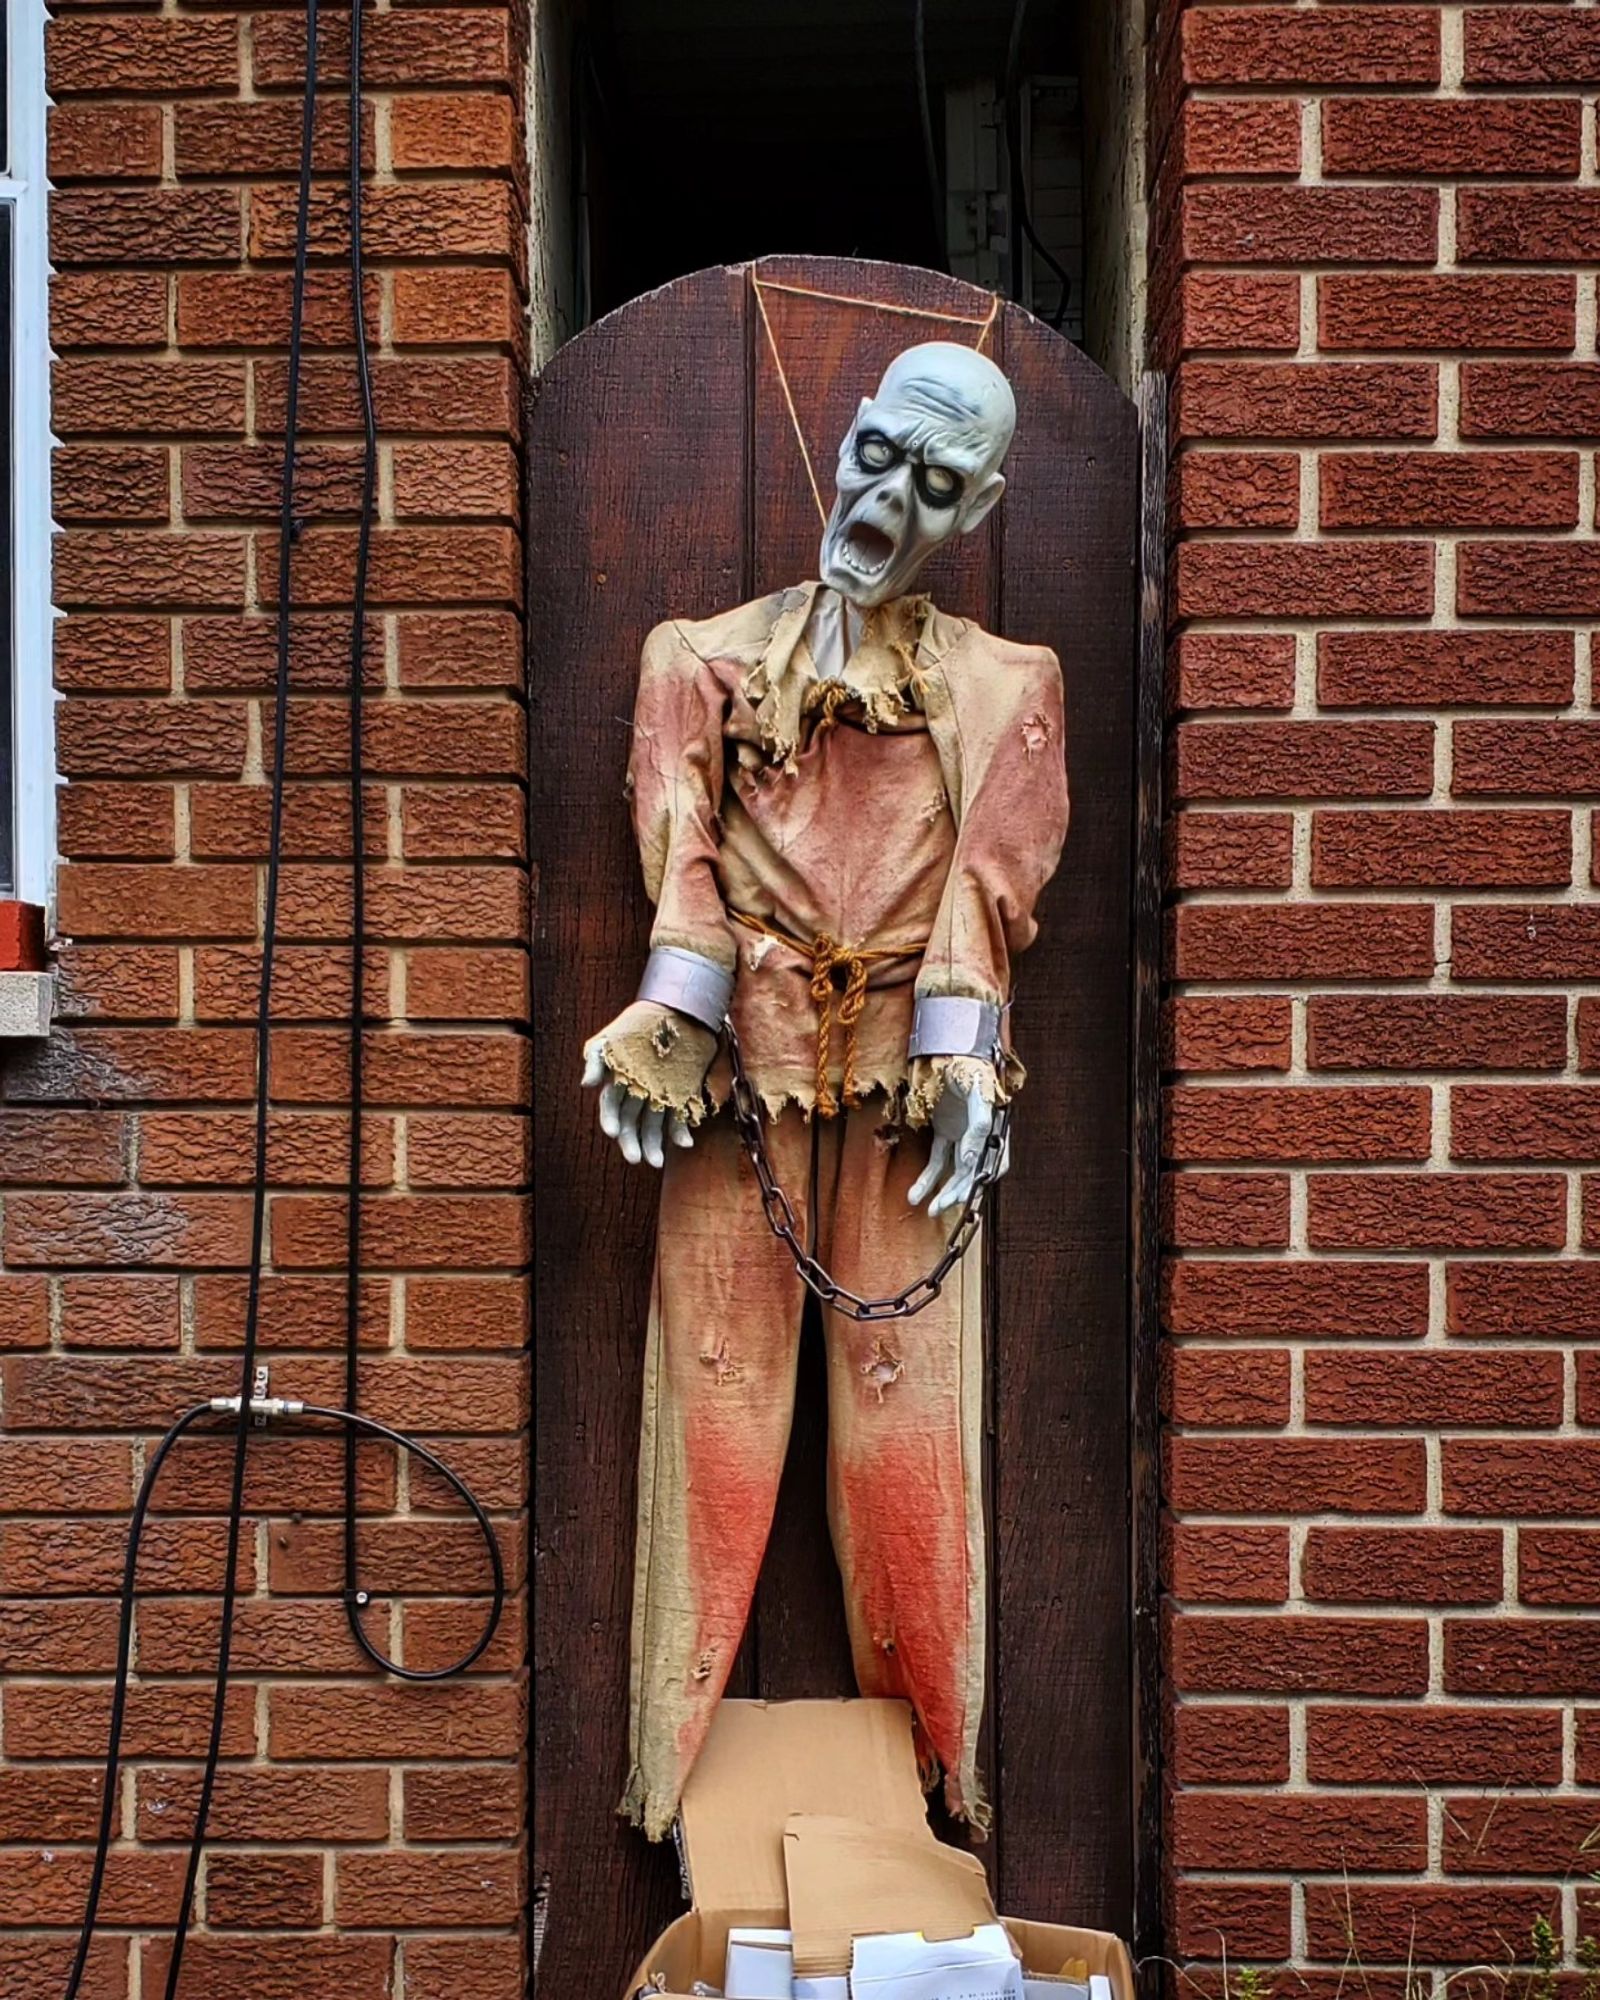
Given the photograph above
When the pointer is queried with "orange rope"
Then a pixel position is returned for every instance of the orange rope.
(827, 957)
(763, 285)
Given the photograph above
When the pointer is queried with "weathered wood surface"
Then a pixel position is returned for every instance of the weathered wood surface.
(663, 475)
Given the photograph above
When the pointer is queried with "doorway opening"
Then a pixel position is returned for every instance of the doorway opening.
(999, 141)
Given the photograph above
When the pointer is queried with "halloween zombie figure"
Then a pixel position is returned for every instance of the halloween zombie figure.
(847, 804)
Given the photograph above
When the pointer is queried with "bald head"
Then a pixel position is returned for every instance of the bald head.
(921, 463)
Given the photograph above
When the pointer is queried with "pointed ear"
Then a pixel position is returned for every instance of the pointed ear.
(979, 505)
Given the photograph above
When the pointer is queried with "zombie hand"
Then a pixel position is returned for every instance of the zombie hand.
(962, 1120)
(649, 1066)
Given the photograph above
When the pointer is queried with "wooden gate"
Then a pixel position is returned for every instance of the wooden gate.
(664, 477)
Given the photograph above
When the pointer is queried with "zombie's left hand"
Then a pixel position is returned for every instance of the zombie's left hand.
(962, 1120)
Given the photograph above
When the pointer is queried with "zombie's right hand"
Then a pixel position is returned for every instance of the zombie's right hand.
(650, 1068)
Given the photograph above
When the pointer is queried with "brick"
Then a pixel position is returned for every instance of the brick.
(1337, 45)
(232, 482)
(1213, 1388)
(34, 1472)
(1516, 225)
(1505, 579)
(70, 1558)
(1232, 669)
(1233, 311)
(444, 219)
(123, 398)
(1423, 1923)
(1236, 1653)
(1520, 1656)
(262, 138)
(1402, 1565)
(120, 1312)
(1230, 851)
(1522, 1299)
(445, 306)
(1226, 224)
(1226, 1211)
(232, 822)
(119, 484)
(1437, 1211)
(1536, 941)
(113, 655)
(131, 1064)
(252, 308)
(216, 1148)
(453, 1314)
(1588, 1034)
(1237, 136)
(126, 1229)
(105, 142)
(456, 480)
(1443, 669)
(1525, 1122)
(123, 225)
(1302, 580)
(1257, 400)
(1436, 1031)
(426, 565)
(162, 1720)
(49, 1805)
(1323, 941)
(443, 1968)
(1558, 1566)
(417, 1557)
(117, 566)
(470, 905)
(129, 54)
(413, 397)
(122, 821)
(460, 649)
(1407, 313)
(403, 1232)
(483, 1802)
(292, 1967)
(1309, 1836)
(1239, 1298)
(1530, 399)
(108, 309)
(1446, 850)
(1406, 137)
(462, 1720)
(1201, 1032)
(1251, 1917)
(1294, 760)
(1404, 489)
(24, 1312)
(309, 982)
(1530, 45)
(263, 1891)
(1521, 1478)
(304, 1313)
(457, 1070)
(462, 984)
(1229, 1743)
(1296, 1476)
(467, 45)
(1353, 1745)
(1519, 1836)
(43, 1886)
(1236, 489)
(1226, 1565)
(105, 982)
(1259, 1124)
(69, 1635)
(1516, 759)
(75, 1148)
(467, 130)
(108, 899)
(1434, 1391)
(418, 1890)
(237, 655)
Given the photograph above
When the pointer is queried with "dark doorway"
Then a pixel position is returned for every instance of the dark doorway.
(714, 131)
(663, 476)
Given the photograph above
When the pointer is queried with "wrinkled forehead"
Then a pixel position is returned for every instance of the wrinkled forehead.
(946, 404)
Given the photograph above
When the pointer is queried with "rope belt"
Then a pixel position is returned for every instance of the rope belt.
(827, 957)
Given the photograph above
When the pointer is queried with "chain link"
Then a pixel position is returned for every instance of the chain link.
(779, 1210)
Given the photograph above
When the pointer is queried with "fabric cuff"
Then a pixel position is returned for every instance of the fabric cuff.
(950, 1024)
(688, 983)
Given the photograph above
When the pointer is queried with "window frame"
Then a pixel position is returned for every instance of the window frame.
(24, 188)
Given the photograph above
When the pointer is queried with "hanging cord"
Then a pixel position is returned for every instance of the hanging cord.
(1019, 186)
(251, 1406)
(761, 286)
(930, 151)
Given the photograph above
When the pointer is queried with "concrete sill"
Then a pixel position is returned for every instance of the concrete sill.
(27, 1003)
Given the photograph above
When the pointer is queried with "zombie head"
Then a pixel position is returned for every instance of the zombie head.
(921, 463)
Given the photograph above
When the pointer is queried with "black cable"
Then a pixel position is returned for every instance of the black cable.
(930, 151)
(1019, 188)
(349, 1418)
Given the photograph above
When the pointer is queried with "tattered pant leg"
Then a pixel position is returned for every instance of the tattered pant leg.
(905, 1423)
(718, 1398)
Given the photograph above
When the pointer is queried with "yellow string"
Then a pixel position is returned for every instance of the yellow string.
(761, 285)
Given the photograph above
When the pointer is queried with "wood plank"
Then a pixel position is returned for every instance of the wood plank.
(624, 526)
(1060, 1345)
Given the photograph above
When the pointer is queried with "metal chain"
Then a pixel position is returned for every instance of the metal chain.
(779, 1210)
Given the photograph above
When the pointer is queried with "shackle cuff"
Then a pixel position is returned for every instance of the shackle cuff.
(689, 984)
(949, 1024)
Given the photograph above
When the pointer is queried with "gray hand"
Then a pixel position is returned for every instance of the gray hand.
(962, 1122)
(642, 1132)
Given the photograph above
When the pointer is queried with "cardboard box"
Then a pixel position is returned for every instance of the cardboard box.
(768, 1767)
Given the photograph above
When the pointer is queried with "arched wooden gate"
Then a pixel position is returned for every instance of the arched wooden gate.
(664, 476)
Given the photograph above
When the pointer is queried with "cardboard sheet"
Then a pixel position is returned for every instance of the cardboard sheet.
(852, 1878)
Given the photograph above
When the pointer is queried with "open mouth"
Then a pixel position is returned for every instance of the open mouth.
(867, 551)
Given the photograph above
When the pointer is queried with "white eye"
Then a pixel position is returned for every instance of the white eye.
(874, 452)
(941, 482)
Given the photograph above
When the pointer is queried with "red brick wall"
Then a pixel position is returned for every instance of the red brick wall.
(1384, 1409)
(125, 1140)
